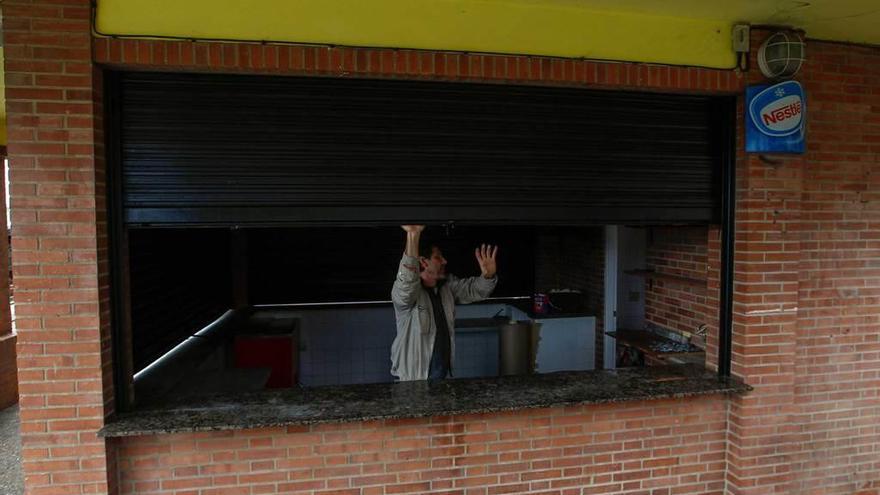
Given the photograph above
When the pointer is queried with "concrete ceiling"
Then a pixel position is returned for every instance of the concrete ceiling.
(855, 21)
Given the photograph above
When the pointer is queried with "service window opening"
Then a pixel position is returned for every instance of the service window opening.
(230, 311)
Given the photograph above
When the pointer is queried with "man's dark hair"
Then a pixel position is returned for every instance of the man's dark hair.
(426, 247)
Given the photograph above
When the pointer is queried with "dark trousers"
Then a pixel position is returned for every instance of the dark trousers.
(438, 369)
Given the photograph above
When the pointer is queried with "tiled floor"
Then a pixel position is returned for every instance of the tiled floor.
(10, 445)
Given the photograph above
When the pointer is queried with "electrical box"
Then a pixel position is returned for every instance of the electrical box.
(741, 38)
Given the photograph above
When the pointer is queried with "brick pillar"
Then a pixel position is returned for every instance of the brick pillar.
(761, 438)
(59, 250)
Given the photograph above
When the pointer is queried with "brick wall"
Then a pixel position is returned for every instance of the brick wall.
(693, 253)
(836, 382)
(805, 303)
(657, 447)
(278, 465)
(713, 293)
(772, 339)
(805, 312)
(764, 312)
(408, 64)
(54, 107)
(679, 302)
(57, 254)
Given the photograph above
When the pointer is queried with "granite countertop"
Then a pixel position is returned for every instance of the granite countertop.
(350, 403)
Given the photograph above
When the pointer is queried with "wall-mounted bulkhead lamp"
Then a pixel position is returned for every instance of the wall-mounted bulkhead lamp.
(781, 55)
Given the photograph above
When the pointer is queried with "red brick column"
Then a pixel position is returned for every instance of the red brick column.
(764, 326)
(58, 255)
(761, 437)
(837, 384)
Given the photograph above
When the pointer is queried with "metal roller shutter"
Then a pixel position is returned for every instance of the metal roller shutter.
(259, 150)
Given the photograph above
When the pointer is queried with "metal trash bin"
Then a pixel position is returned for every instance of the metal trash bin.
(517, 347)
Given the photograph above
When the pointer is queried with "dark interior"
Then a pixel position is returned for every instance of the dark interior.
(184, 279)
(310, 265)
(181, 280)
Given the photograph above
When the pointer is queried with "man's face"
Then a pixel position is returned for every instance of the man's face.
(434, 268)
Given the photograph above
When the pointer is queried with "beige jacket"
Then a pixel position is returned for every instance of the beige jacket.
(416, 328)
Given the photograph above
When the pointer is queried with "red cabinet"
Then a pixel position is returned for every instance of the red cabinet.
(277, 352)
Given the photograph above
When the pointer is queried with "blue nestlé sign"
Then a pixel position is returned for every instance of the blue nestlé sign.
(776, 118)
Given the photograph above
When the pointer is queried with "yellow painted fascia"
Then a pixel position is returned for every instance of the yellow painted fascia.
(489, 26)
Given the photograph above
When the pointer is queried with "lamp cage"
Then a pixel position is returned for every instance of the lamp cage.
(781, 55)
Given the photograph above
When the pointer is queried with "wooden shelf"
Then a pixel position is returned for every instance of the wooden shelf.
(652, 275)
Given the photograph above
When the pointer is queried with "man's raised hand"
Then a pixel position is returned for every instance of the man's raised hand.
(413, 233)
(486, 258)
